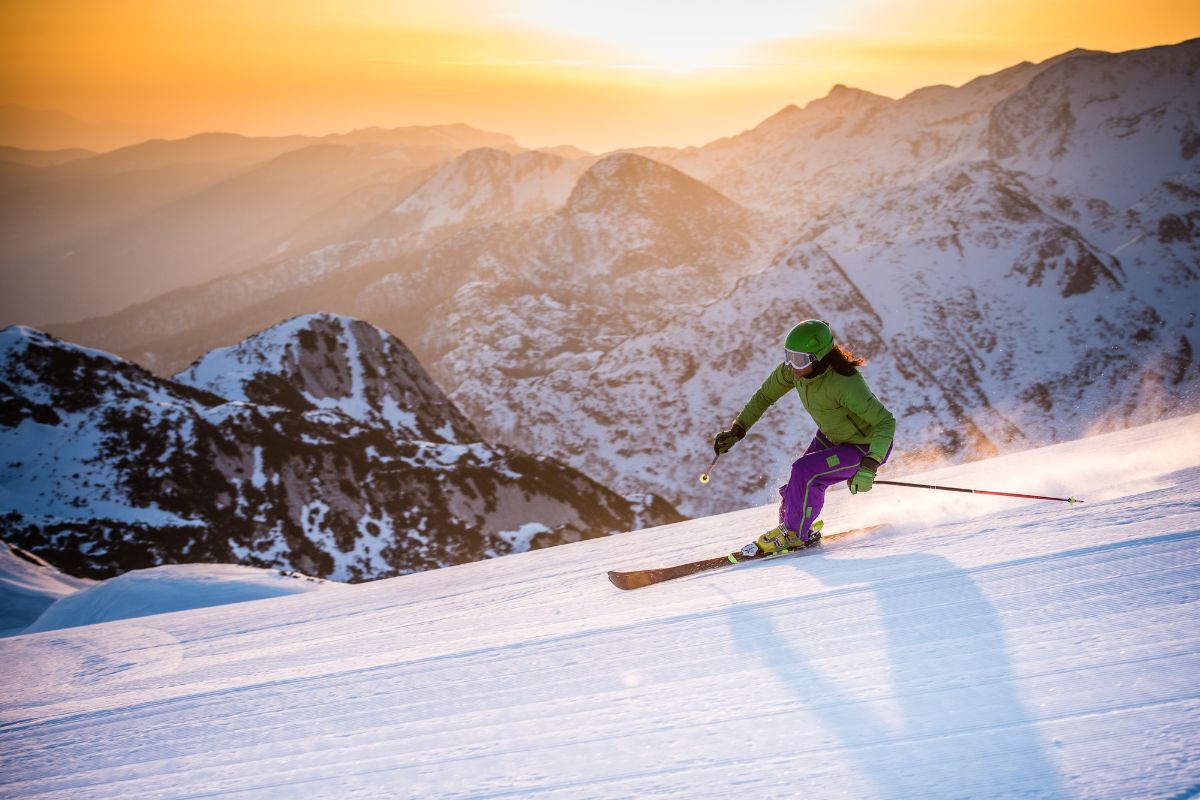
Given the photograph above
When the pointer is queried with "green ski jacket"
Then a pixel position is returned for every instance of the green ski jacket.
(843, 407)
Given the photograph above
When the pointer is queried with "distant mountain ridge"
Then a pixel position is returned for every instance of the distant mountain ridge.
(89, 236)
(328, 451)
(41, 129)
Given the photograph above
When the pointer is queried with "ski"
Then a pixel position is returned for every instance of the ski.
(639, 578)
(645, 577)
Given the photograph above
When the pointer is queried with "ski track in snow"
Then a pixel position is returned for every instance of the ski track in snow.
(1025, 650)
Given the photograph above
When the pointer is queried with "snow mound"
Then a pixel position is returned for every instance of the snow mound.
(28, 586)
(175, 587)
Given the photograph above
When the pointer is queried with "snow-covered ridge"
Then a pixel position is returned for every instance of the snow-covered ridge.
(332, 453)
(969, 647)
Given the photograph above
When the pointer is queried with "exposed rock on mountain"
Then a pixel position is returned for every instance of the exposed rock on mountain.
(108, 468)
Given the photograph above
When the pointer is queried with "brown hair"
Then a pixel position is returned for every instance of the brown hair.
(843, 361)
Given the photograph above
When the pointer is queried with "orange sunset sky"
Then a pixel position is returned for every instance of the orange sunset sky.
(599, 75)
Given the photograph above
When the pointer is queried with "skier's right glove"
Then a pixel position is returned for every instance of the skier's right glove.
(864, 479)
(727, 439)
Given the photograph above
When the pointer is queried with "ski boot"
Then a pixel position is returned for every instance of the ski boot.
(780, 540)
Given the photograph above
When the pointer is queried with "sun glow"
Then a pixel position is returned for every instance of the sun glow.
(681, 35)
(599, 75)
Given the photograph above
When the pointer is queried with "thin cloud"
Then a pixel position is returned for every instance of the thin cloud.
(421, 62)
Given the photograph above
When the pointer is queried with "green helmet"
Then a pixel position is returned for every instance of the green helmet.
(811, 336)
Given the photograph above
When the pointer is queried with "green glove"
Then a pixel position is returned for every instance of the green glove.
(864, 479)
(727, 439)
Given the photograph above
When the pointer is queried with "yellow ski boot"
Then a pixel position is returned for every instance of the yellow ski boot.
(781, 540)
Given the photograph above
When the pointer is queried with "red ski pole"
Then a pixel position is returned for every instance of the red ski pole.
(704, 475)
(1071, 500)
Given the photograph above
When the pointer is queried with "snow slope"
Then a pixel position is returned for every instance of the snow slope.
(971, 647)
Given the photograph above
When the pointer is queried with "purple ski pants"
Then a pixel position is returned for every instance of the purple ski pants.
(822, 465)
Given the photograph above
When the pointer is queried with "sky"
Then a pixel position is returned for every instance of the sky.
(598, 75)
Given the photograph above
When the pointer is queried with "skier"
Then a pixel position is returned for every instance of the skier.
(854, 430)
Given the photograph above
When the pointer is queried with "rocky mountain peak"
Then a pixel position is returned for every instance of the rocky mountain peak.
(326, 361)
(843, 101)
(624, 182)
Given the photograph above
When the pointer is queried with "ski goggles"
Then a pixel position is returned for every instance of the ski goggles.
(798, 360)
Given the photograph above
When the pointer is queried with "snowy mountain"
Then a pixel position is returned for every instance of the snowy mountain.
(1047, 320)
(852, 142)
(1017, 258)
(632, 234)
(1073, 128)
(333, 454)
(966, 647)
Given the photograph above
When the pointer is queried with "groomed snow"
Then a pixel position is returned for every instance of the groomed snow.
(969, 648)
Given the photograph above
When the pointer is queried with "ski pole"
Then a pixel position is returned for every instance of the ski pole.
(1071, 500)
(704, 475)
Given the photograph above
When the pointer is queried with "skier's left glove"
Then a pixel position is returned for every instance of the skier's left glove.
(727, 439)
(864, 479)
